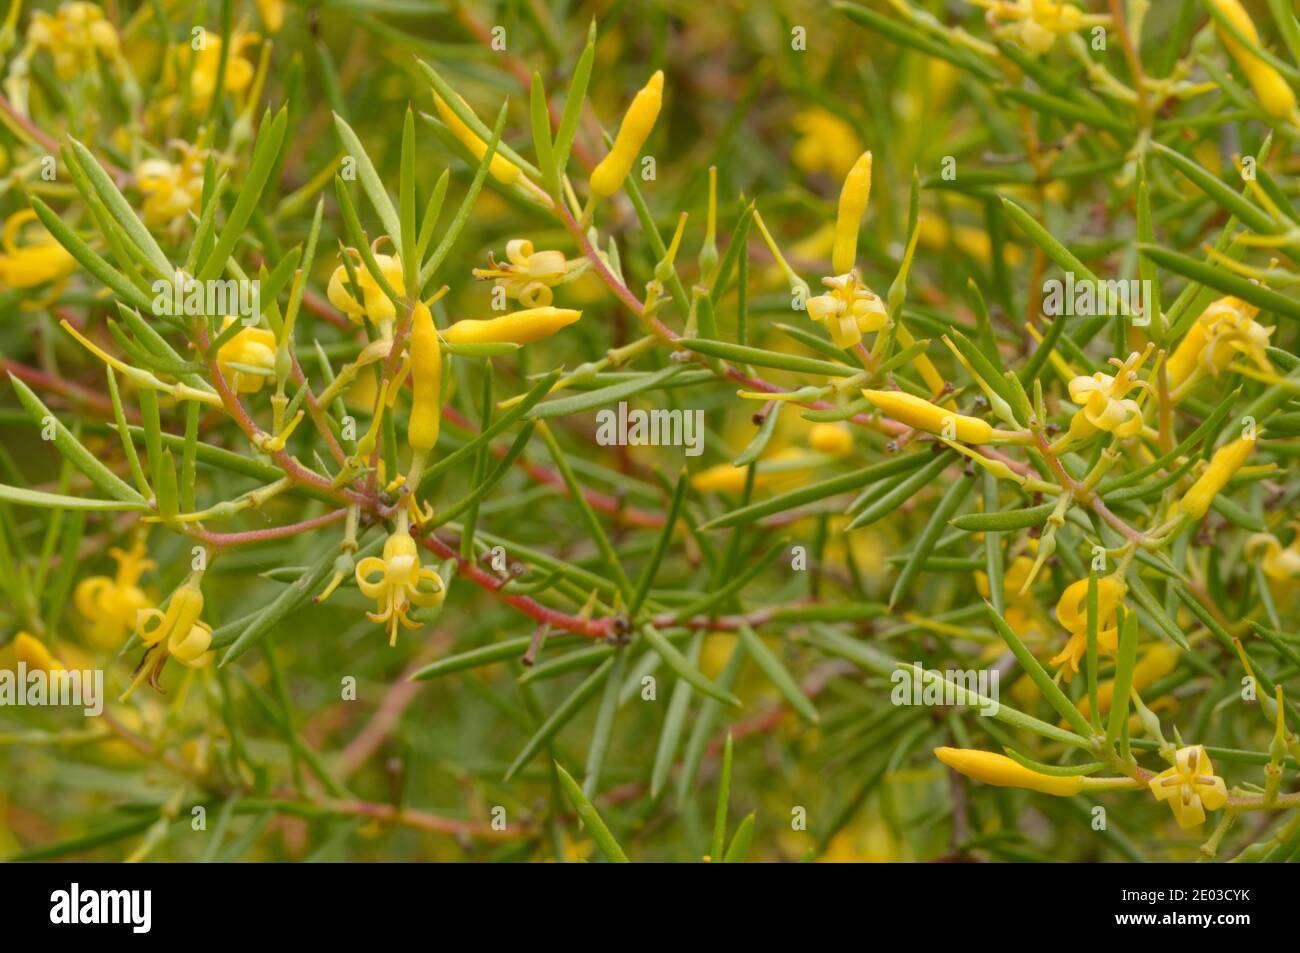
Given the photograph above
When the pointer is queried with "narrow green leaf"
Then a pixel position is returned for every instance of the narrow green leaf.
(590, 818)
(1222, 280)
(778, 674)
(541, 122)
(674, 720)
(762, 358)
(44, 500)
(265, 152)
(1046, 684)
(103, 272)
(760, 441)
(1004, 519)
(724, 794)
(1123, 683)
(72, 449)
(952, 499)
(371, 183)
(612, 394)
(573, 102)
(741, 841)
(684, 669)
(121, 210)
(407, 227)
(819, 491)
(560, 717)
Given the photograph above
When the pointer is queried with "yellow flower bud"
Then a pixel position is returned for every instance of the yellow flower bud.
(426, 381)
(272, 14)
(607, 178)
(853, 204)
(1000, 770)
(1227, 460)
(783, 466)
(923, 415)
(1275, 96)
(828, 143)
(832, 439)
(35, 654)
(502, 169)
(521, 327)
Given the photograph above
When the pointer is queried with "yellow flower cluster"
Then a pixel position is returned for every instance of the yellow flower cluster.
(77, 37)
(172, 190)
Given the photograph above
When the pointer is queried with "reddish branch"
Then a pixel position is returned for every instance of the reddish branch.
(591, 628)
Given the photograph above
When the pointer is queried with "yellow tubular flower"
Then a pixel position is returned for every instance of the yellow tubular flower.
(1104, 405)
(1227, 460)
(426, 382)
(923, 415)
(1158, 662)
(1072, 614)
(1280, 565)
(607, 178)
(849, 310)
(251, 348)
(183, 610)
(378, 307)
(1227, 327)
(521, 327)
(397, 581)
(832, 439)
(502, 169)
(1273, 92)
(853, 205)
(1191, 787)
(529, 275)
(35, 654)
(111, 605)
(272, 14)
(32, 263)
(1000, 770)
(827, 144)
(176, 632)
